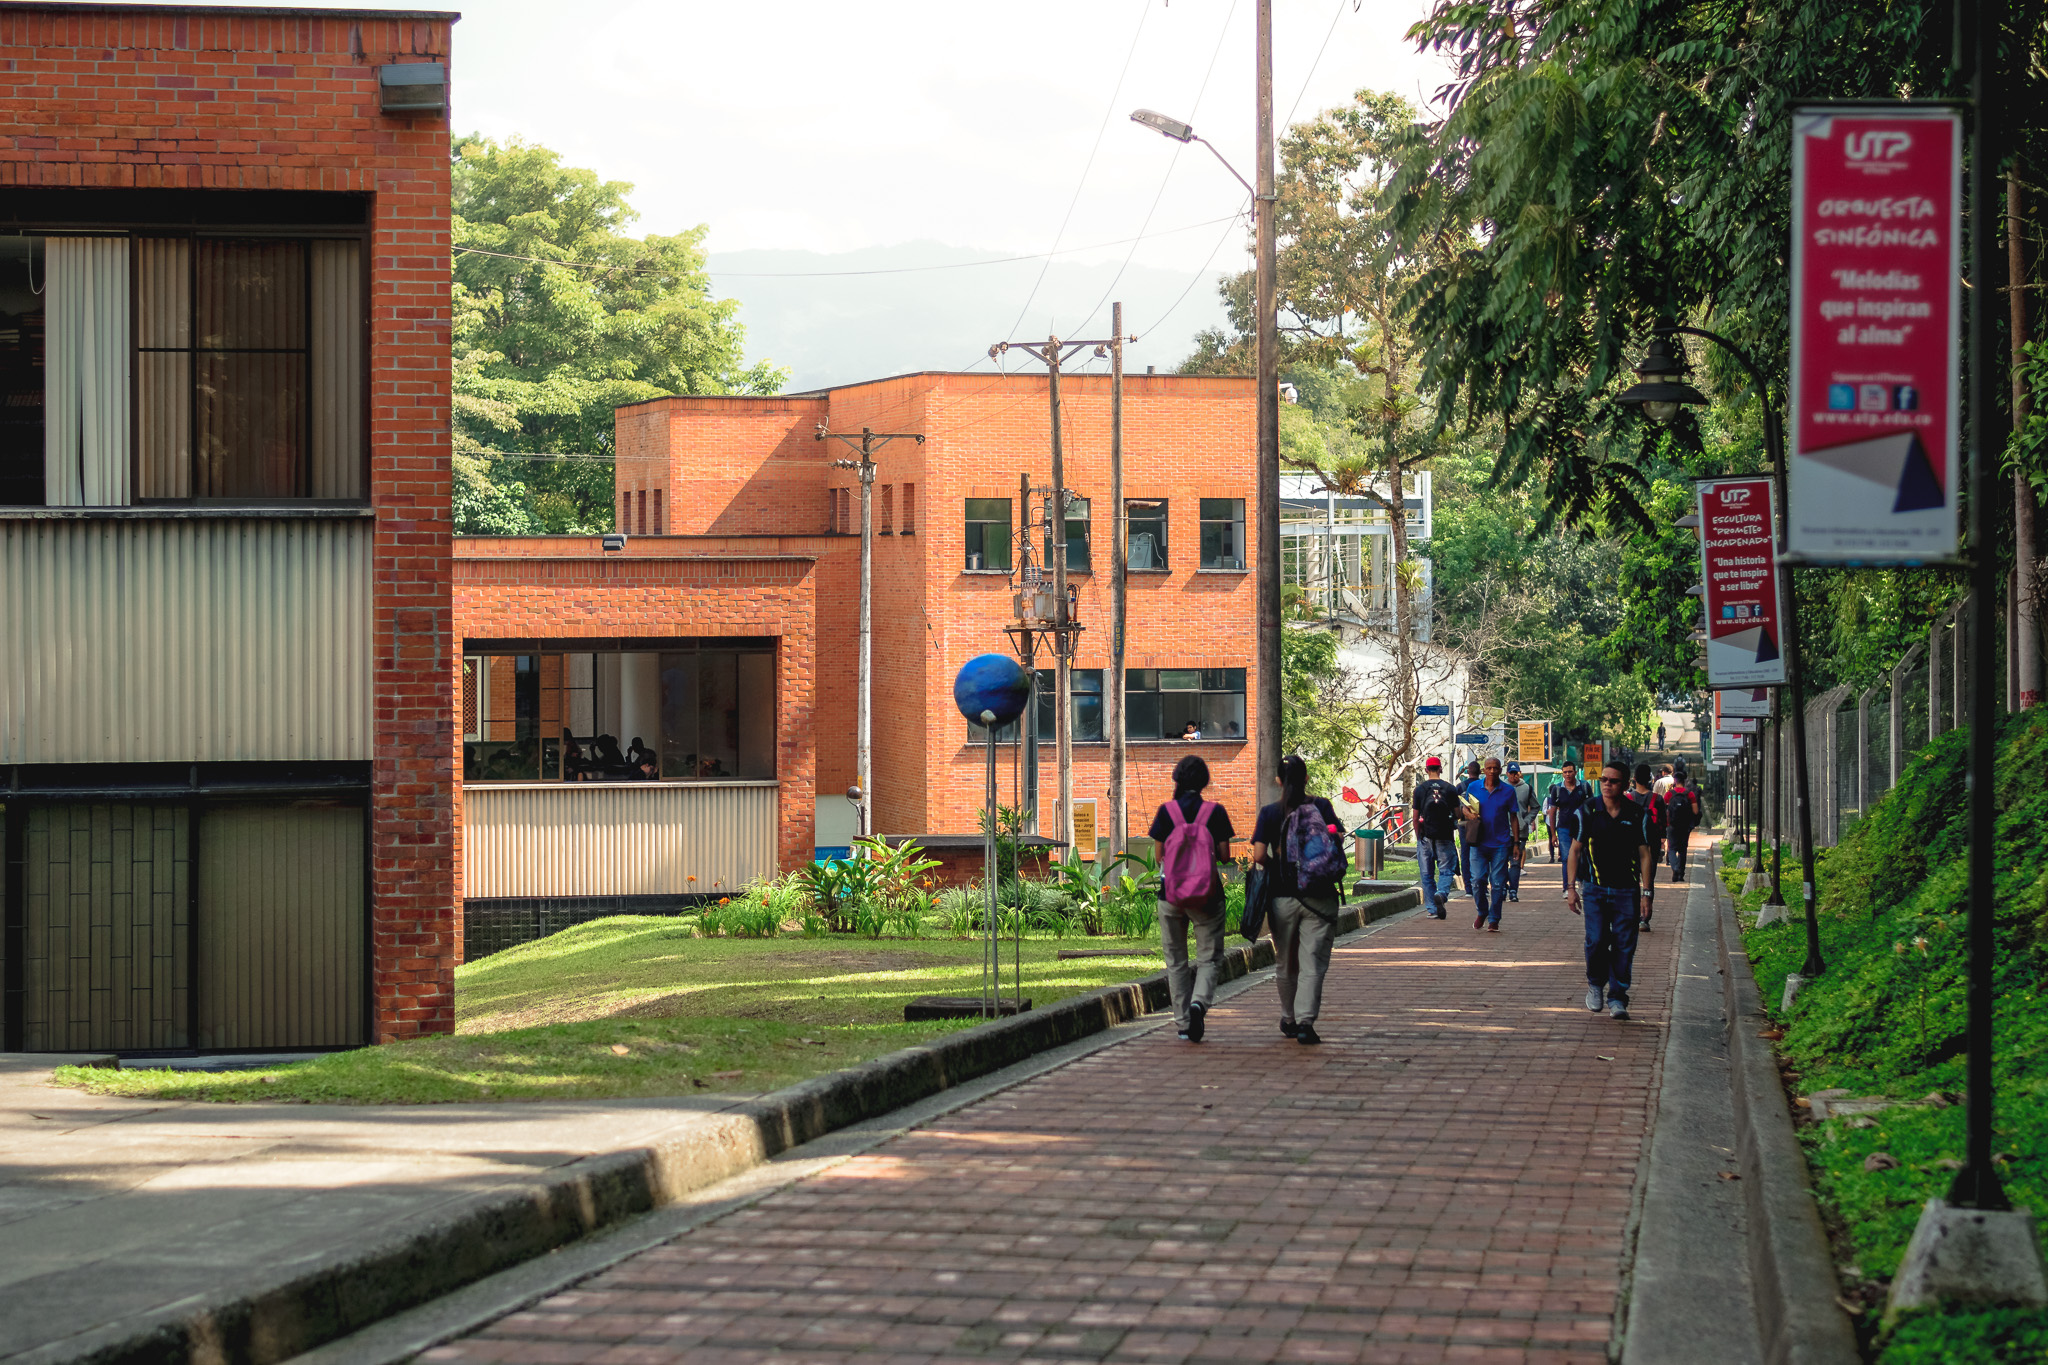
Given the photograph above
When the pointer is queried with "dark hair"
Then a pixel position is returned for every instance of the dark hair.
(1293, 782)
(1643, 773)
(1679, 772)
(1190, 775)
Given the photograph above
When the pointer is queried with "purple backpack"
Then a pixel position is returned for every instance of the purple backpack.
(1187, 865)
(1312, 848)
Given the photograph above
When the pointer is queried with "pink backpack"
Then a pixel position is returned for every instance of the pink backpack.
(1187, 866)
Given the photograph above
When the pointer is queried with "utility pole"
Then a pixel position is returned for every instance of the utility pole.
(867, 444)
(1265, 283)
(1064, 630)
(1113, 700)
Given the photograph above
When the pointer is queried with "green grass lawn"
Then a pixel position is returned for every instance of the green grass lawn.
(1887, 1019)
(636, 1005)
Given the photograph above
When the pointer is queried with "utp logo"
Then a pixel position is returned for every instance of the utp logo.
(1736, 497)
(1877, 152)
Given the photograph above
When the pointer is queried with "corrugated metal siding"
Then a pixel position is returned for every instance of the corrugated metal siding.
(282, 920)
(184, 640)
(629, 839)
(105, 942)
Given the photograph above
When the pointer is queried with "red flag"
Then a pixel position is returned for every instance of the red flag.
(1353, 797)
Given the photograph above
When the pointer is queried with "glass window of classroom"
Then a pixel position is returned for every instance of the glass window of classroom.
(1145, 523)
(987, 534)
(1223, 533)
(1077, 535)
(680, 713)
(1161, 703)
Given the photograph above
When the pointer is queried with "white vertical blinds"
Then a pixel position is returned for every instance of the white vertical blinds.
(163, 387)
(337, 362)
(85, 434)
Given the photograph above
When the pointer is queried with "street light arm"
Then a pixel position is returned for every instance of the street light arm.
(1228, 167)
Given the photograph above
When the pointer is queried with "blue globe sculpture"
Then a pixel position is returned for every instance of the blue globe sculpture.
(991, 682)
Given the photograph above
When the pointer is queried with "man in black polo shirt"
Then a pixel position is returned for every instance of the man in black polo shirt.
(1610, 863)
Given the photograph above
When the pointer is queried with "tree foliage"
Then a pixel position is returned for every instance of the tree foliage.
(560, 317)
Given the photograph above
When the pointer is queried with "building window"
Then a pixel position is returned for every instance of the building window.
(625, 521)
(640, 510)
(888, 509)
(657, 511)
(909, 525)
(988, 533)
(691, 713)
(1160, 703)
(1076, 535)
(1145, 520)
(1087, 709)
(1223, 533)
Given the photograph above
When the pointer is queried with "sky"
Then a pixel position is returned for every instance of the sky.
(821, 127)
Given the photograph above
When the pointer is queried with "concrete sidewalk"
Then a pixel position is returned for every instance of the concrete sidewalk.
(112, 1209)
(1451, 1176)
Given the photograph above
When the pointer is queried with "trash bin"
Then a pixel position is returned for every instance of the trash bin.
(1372, 854)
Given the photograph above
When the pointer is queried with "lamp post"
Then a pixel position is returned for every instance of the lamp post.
(1267, 511)
(1660, 391)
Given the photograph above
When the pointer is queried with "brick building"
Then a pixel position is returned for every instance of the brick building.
(224, 527)
(720, 497)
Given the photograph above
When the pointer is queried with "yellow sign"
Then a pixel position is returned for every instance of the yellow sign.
(1595, 756)
(1084, 829)
(1532, 741)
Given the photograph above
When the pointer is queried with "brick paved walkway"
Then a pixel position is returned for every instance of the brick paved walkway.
(1448, 1178)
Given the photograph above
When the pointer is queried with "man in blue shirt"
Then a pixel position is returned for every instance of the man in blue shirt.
(1487, 855)
(1565, 799)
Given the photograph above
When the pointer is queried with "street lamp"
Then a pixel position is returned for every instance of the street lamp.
(1660, 391)
(1265, 290)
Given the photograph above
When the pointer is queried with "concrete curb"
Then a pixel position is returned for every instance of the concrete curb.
(262, 1324)
(1791, 1269)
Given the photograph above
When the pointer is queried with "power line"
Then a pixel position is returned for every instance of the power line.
(1144, 11)
(822, 274)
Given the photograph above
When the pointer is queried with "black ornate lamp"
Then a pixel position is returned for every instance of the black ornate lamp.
(1660, 388)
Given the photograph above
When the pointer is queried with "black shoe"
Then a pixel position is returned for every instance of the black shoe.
(1197, 1022)
(1288, 1028)
(1306, 1034)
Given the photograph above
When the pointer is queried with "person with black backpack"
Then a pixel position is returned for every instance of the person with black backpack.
(1682, 802)
(1656, 828)
(1299, 842)
(1193, 837)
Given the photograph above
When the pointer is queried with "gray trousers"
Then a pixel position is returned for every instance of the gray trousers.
(1192, 983)
(1303, 931)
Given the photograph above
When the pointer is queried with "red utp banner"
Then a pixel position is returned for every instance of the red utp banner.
(1739, 568)
(1876, 342)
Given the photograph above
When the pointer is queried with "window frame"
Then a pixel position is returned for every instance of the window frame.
(362, 235)
(1087, 523)
(1165, 520)
(1009, 524)
(1234, 682)
(1204, 521)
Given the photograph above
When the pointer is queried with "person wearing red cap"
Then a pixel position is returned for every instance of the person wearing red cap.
(1436, 827)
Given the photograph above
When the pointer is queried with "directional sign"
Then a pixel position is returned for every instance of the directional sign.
(1474, 737)
(1432, 710)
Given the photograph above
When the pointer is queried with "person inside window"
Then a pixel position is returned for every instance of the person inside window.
(1191, 731)
(642, 760)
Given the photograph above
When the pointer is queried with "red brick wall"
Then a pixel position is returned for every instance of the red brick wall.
(568, 587)
(1185, 438)
(126, 97)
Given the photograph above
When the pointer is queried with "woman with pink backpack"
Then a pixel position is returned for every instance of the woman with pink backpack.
(1193, 837)
(1301, 845)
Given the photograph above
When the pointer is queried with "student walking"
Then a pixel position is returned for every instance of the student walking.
(1610, 864)
(1682, 803)
(1467, 780)
(1489, 840)
(1525, 820)
(1299, 842)
(1193, 836)
(1436, 832)
(1567, 796)
(1655, 828)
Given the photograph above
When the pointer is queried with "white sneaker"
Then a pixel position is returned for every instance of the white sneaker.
(1617, 1009)
(1596, 998)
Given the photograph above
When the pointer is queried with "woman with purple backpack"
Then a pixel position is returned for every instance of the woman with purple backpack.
(1301, 845)
(1193, 837)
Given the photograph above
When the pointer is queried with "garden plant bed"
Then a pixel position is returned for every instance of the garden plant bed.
(640, 1006)
(1885, 1024)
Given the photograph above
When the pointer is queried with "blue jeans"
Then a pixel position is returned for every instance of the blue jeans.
(1435, 861)
(1610, 937)
(1515, 872)
(1487, 870)
(1564, 854)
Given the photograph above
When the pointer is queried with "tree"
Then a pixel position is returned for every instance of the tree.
(1325, 715)
(559, 319)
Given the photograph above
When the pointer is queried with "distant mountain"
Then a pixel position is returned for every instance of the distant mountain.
(830, 327)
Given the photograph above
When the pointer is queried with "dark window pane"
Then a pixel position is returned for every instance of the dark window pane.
(757, 715)
(1141, 715)
(1087, 718)
(1141, 680)
(1222, 533)
(1145, 519)
(1087, 679)
(678, 745)
(987, 527)
(252, 424)
(1221, 715)
(718, 714)
(1180, 679)
(251, 295)
(1234, 679)
(988, 509)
